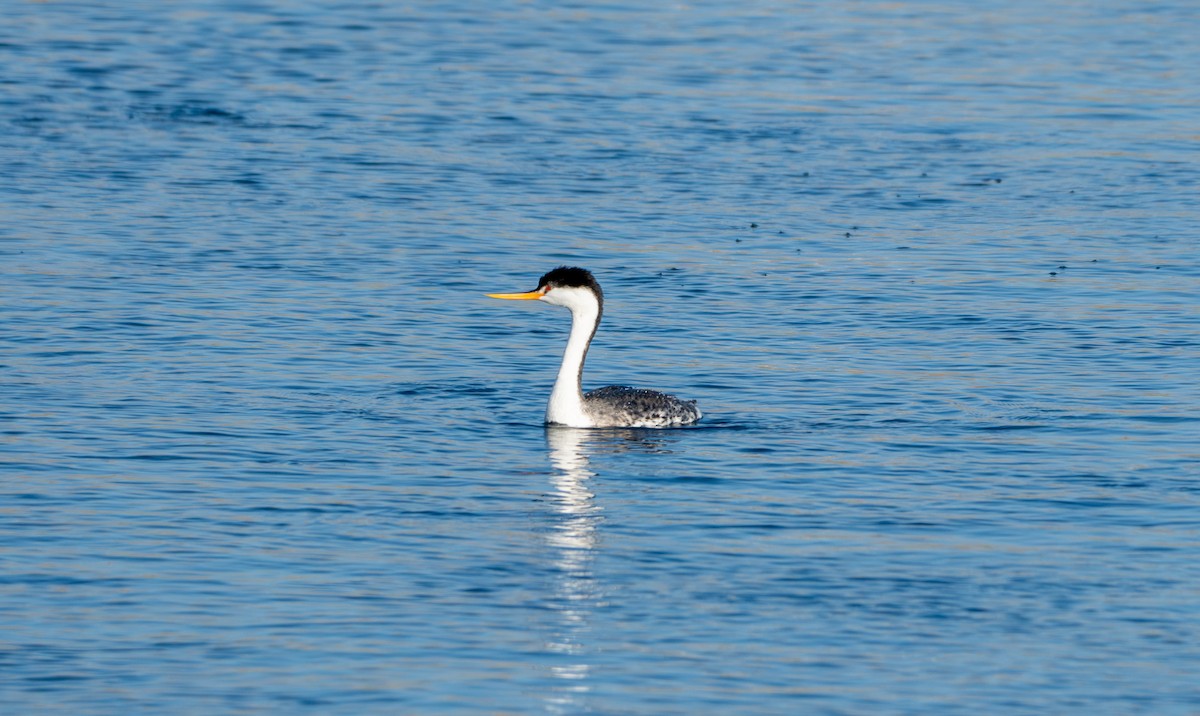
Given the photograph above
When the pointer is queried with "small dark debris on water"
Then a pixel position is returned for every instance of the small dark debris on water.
(738, 241)
(847, 234)
(854, 228)
(901, 248)
(753, 226)
(1053, 273)
(1062, 267)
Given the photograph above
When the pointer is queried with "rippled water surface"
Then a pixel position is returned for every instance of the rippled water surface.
(930, 269)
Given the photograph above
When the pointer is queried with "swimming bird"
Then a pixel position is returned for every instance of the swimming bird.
(614, 406)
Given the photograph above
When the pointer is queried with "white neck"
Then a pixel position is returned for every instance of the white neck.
(566, 400)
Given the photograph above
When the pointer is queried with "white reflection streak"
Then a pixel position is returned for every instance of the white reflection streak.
(573, 538)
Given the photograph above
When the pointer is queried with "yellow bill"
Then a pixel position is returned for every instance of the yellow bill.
(528, 296)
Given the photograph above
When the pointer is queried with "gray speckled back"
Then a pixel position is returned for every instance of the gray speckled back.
(622, 406)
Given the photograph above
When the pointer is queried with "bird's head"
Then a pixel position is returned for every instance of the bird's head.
(568, 286)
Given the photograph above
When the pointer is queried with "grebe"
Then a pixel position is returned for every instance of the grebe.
(615, 406)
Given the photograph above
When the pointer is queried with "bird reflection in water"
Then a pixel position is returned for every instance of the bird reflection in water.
(573, 540)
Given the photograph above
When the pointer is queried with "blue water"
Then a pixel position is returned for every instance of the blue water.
(929, 268)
